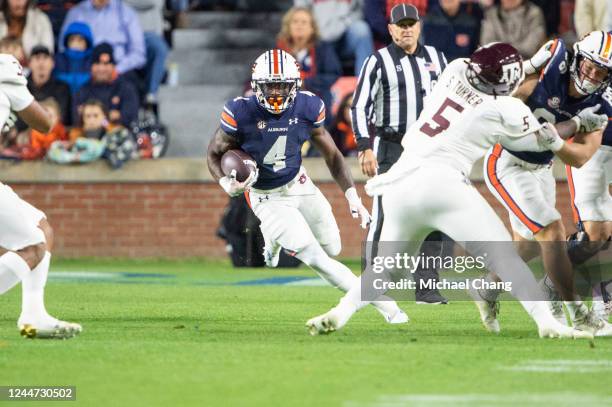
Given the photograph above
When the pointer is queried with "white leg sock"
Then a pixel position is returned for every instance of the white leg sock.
(510, 267)
(33, 293)
(341, 277)
(13, 269)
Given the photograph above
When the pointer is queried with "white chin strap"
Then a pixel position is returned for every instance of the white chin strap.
(586, 87)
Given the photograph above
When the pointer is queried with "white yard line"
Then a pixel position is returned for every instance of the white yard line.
(427, 400)
(562, 366)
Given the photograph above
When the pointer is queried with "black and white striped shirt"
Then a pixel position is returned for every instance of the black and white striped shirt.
(391, 88)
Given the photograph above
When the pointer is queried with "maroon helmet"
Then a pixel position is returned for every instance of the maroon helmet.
(495, 69)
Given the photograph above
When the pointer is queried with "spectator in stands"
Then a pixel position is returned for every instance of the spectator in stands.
(73, 65)
(43, 85)
(150, 13)
(591, 15)
(11, 45)
(319, 64)
(451, 29)
(118, 95)
(29, 25)
(377, 16)
(518, 22)
(41, 142)
(342, 130)
(552, 15)
(179, 8)
(113, 22)
(93, 122)
(85, 143)
(56, 10)
(341, 23)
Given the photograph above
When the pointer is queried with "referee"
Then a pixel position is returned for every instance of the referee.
(392, 85)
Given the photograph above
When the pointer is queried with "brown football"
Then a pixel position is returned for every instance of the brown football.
(240, 161)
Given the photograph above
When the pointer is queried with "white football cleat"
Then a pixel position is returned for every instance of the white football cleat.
(51, 330)
(556, 307)
(591, 322)
(271, 253)
(329, 322)
(602, 309)
(488, 311)
(555, 301)
(400, 317)
(555, 329)
(604, 328)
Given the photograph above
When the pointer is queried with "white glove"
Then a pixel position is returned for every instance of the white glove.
(357, 208)
(11, 70)
(9, 123)
(539, 59)
(548, 138)
(587, 120)
(234, 187)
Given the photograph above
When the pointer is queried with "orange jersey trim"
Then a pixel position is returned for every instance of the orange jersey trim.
(229, 119)
(503, 193)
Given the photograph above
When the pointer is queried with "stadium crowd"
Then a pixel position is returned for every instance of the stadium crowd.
(114, 52)
(332, 39)
(105, 53)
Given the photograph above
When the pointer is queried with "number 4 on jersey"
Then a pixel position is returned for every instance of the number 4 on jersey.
(276, 154)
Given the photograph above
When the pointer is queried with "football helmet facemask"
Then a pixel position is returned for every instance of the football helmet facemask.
(276, 80)
(591, 66)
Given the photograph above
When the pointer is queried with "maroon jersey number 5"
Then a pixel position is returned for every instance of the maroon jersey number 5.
(440, 120)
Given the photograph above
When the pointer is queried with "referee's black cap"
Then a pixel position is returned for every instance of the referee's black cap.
(403, 11)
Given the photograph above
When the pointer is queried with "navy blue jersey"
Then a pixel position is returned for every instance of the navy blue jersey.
(550, 101)
(607, 108)
(273, 140)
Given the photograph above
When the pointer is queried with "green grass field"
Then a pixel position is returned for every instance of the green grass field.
(201, 333)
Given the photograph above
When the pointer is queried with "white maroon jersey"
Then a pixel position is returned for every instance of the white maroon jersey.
(459, 124)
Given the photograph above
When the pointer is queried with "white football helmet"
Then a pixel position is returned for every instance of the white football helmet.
(596, 47)
(276, 80)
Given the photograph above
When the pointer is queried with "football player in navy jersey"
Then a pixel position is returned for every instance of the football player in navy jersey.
(592, 209)
(560, 84)
(271, 127)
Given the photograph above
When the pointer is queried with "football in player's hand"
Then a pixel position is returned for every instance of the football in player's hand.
(240, 161)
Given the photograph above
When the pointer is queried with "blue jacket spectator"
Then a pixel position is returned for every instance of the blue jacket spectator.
(73, 66)
(116, 23)
(451, 29)
(118, 95)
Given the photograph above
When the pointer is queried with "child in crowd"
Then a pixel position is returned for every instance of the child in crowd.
(73, 66)
(41, 142)
(84, 143)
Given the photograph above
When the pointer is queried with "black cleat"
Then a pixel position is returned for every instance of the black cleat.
(429, 297)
